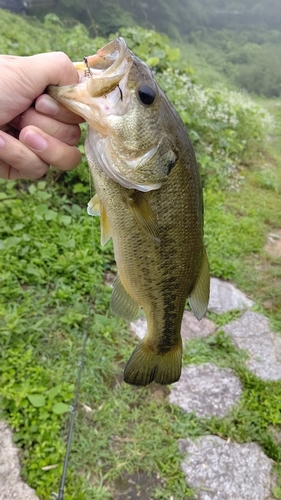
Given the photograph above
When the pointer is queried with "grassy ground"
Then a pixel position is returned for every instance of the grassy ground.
(124, 436)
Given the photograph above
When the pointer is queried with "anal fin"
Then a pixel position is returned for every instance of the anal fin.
(122, 304)
(199, 297)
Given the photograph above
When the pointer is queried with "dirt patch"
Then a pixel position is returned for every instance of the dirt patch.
(273, 245)
(138, 486)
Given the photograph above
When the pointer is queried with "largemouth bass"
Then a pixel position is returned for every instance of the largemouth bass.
(149, 198)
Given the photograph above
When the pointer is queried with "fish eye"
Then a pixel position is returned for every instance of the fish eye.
(146, 94)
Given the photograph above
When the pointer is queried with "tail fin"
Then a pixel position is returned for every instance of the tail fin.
(145, 365)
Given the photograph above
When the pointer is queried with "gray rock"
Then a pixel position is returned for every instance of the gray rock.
(252, 332)
(139, 327)
(222, 470)
(190, 327)
(225, 297)
(12, 486)
(206, 390)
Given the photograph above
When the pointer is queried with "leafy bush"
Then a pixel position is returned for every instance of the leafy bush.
(153, 48)
(225, 126)
(20, 36)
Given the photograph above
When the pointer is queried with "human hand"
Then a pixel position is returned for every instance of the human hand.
(35, 136)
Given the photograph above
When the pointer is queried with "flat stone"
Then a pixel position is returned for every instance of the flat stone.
(252, 332)
(220, 470)
(139, 327)
(206, 390)
(190, 327)
(12, 486)
(225, 297)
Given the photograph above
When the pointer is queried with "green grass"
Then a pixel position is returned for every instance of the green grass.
(47, 283)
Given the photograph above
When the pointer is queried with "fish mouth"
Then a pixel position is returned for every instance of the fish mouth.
(107, 67)
(100, 75)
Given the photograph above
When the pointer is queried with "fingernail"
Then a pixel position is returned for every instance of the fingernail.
(45, 104)
(34, 141)
(2, 142)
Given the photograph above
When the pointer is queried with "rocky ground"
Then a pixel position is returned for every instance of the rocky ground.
(216, 469)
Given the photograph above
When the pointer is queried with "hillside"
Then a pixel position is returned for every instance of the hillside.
(239, 39)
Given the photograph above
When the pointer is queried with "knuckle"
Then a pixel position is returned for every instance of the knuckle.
(74, 134)
(62, 55)
(39, 169)
(71, 159)
(68, 134)
(4, 170)
(63, 60)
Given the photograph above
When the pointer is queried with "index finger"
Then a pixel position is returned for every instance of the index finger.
(26, 78)
(54, 68)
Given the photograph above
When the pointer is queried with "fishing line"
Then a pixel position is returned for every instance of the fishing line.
(73, 408)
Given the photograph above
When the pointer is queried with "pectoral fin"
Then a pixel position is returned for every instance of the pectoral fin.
(199, 297)
(95, 207)
(143, 214)
(122, 303)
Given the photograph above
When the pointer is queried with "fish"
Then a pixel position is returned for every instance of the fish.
(149, 199)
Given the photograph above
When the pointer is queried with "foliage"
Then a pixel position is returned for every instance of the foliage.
(249, 59)
(241, 39)
(34, 401)
(20, 36)
(228, 237)
(152, 47)
(225, 126)
(240, 12)
(176, 19)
